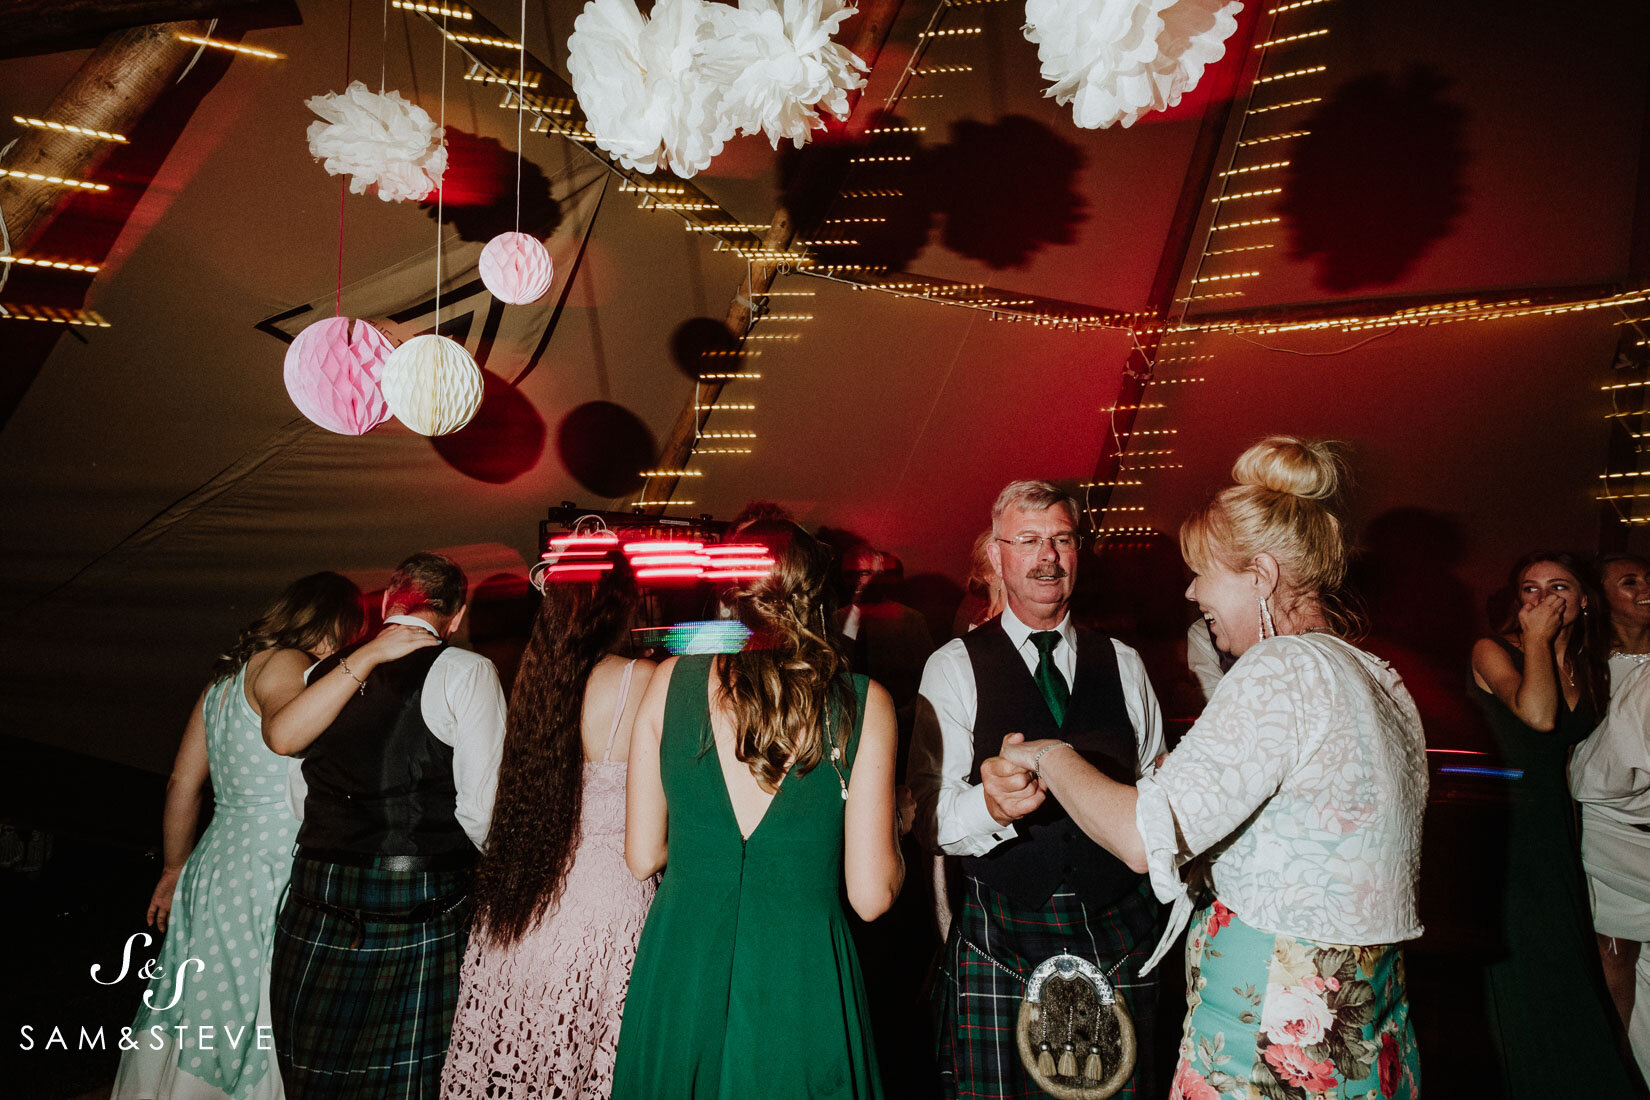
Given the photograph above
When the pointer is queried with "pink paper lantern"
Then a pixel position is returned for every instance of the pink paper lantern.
(516, 268)
(332, 375)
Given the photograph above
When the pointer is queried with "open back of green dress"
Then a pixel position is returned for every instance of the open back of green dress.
(746, 981)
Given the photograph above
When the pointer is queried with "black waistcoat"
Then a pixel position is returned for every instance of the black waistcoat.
(380, 783)
(1049, 849)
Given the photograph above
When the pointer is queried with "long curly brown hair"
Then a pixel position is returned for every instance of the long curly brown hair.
(780, 686)
(540, 797)
(320, 608)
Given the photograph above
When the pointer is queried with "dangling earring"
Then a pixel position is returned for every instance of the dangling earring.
(1268, 629)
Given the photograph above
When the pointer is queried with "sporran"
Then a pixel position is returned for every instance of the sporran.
(1075, 1034)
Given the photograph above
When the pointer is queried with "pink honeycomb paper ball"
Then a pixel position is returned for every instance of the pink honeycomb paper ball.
(332, 375)
(516, 268)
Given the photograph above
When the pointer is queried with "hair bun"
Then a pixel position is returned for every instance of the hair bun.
(1285, 464)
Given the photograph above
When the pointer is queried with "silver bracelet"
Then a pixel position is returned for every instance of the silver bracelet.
(1037, 761)
(362, 690)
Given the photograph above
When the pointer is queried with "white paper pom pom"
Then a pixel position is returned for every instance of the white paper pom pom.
(644, 98)
(432, 385)
(378, 139)
(1115, 60)
(516, 268)
(779, 66)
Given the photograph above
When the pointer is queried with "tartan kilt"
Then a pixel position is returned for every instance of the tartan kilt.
(364, 1009)
(979, 1005)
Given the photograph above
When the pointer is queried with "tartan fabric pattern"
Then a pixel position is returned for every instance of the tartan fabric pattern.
(979, 1004)
(369, 1019)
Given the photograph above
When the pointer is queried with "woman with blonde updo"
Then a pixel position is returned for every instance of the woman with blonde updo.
(1303, 783)
(760, 783)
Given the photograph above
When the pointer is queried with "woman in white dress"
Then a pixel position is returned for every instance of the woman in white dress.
(1610, 777)
(216, 899)
(1304, 782)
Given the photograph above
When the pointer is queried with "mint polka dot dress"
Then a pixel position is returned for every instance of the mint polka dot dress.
(219, 936)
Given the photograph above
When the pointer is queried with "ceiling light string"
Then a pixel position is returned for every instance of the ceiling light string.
(343, 180)
(521, 106)
(200, 49)
(440, 188)
(384, 45)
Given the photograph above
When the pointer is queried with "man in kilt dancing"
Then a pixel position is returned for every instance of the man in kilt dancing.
(1034, 885)
(400, 739)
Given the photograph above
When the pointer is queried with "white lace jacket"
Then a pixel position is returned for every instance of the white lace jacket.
(1305, 779)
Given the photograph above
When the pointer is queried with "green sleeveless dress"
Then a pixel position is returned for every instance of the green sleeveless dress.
(746, 982)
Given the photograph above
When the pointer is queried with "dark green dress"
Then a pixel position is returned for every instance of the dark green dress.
(1549, 1013)
(746, 983)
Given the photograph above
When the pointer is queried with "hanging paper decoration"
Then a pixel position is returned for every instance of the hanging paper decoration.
(516, 268)
(1115, 60)
(378, 138)
(432, 385)
(645, 100)
(332, 374)
(778, 65)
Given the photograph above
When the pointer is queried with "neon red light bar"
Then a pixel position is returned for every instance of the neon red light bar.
(665, 546)
(659, 573)
(609, 539)
(643, 561)
(740, 549)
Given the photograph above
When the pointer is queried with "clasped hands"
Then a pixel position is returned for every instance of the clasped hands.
(1012, 788)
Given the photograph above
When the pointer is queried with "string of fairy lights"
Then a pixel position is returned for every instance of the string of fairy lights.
(1240, 236)
(72, 130)
(1625, 482)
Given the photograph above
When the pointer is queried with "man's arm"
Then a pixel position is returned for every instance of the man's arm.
(1141, 702)
(478, 709)
(953, 815)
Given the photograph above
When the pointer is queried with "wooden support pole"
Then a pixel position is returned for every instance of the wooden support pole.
(111, 92)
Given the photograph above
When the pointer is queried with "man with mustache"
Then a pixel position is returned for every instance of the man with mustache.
(1034, 885)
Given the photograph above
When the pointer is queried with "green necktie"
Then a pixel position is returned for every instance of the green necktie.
(1049, 681)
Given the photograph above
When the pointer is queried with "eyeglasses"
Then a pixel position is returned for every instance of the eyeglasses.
(1035, 542)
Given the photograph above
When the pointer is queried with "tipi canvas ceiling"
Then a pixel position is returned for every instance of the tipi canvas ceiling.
(158, 485)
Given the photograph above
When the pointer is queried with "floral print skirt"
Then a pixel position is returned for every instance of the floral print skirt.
(1283, 1018)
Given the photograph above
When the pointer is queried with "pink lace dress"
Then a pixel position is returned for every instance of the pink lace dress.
(541, 1018)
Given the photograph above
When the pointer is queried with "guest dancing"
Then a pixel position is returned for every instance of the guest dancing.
(230, 928)
(400, 739)
(1303, 782)
(761, 783)
(557, 914)
(1034, 886)
(1610, 777)
(1543, 682)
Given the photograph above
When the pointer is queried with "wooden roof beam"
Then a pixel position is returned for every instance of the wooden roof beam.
(117, 84)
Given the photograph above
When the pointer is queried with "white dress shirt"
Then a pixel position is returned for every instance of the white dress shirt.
(1306, 776)
(463, 704)
(951, 811)
(1610, 771)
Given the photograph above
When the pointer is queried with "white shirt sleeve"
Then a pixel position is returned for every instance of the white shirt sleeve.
(1141, 702)
(464, 707)
(951, 812)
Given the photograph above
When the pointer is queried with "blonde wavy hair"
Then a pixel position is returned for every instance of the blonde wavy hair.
(1287, 502)
(780, 689)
